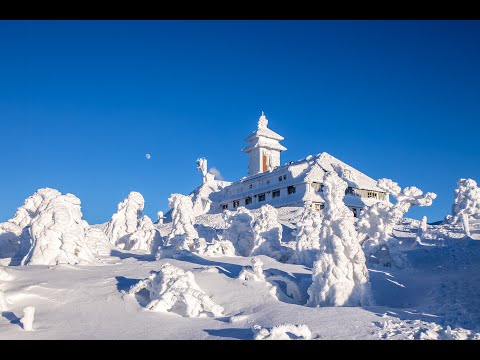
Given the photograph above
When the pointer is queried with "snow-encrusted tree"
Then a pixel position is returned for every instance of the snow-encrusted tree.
(267, 233)
(173, 288)
(307, 236)
(340, 276)
(97, 241)
(466, 204)
(377, 222)
(183, 235)
(57, 234)
(12, 231)
(129, 229)
(239, 230)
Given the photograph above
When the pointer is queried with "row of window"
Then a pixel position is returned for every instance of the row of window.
(261, 197)
(349, 191)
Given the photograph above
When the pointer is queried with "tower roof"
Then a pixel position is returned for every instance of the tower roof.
(264, 131)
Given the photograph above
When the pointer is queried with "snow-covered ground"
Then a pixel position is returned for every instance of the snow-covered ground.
(436, 297)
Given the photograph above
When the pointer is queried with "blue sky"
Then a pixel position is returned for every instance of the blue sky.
(82, 102)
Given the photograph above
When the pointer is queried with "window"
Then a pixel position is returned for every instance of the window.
(291, 190)
(251, 186)
(236, 203)
(261, 197)
(316, 206)
(372, 194)
(354, 212)
(349, 191)
(276, 193)
(284, 177)
(316, 186)
(224, 206)
(248, 200)
(280, 178)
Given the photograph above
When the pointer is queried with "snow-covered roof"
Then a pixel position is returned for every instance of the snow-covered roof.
(265, 132)
(264, 144)
(303, 169)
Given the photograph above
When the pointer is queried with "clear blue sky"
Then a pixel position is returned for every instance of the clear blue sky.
(81, 103)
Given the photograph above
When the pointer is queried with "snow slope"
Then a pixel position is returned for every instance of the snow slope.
(438, 296)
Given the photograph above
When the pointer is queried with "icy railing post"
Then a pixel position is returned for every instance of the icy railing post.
(27, 320)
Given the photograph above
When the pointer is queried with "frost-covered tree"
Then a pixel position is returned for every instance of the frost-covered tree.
(377, 222)
(174, 289)
(57, 234)
(267, 233)
(12, 231)
(3, 302)
(239, 230)
(129, 229)
(97, 241)
(340, 276)
(27, 319)
(307, 237)
(183, 235)
(466, 204)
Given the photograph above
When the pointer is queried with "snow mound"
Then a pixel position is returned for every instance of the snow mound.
(340, 275)
(282, 332)
(57, 235)
(128, 229)
(4, 275)
(174, 289)
(12, 230)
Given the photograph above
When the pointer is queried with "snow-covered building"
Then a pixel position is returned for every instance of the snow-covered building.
(294, 184)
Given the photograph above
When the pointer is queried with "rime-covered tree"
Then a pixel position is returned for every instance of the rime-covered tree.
(57, 234)
(239, 230)
(129, 228)
(307, 236)
(466, 204)
(377, 222)
(340, 276)
(267, 233)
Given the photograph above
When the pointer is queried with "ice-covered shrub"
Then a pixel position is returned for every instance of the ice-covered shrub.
(239, 230)
(282, 332)
(12, 231)
(57, 235)
(467, 201)
(377, 222)
(174, 289)
(340, 276)
(307, 236)
(129, 229)
(254, 272)
(220, 248)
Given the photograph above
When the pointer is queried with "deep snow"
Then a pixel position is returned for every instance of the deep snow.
(437, 296)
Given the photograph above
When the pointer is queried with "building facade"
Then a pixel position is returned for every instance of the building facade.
(296, 183)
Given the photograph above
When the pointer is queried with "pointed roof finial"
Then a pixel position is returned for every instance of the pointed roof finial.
(262, 122)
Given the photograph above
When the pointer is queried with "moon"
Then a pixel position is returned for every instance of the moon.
(148, 156)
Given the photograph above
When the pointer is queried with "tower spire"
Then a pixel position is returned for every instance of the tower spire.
(262, 121)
